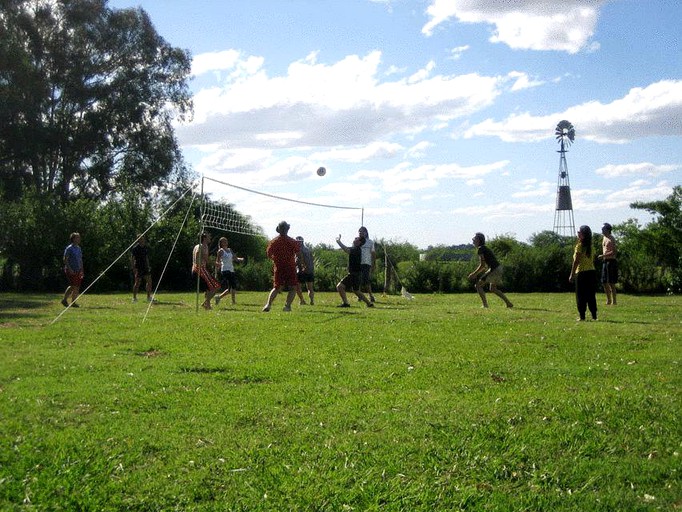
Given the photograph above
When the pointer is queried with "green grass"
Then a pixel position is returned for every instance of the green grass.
(433, 404)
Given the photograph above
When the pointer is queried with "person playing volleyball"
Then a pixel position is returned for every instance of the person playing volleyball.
(200, 267)
(73, 268)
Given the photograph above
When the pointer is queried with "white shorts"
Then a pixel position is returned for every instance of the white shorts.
(492, 276)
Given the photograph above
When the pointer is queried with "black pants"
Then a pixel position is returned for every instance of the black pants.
(586, 293)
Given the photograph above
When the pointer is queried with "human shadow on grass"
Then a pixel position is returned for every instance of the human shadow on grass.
(610, 321)
(536, 309)
(223, 374)
(23, 303)
(22, 308)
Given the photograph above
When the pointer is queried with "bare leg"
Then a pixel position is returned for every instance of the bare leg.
(291, 295)
(493, 288)
(480, 288)
(271, 297)
(299, 292)
(342, 292)
(363, 298)
(136, 287)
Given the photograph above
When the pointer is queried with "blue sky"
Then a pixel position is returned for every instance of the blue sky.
(435, 116)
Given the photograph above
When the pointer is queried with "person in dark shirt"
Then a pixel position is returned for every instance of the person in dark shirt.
(489, 270)
(139, 261)
(352, 281)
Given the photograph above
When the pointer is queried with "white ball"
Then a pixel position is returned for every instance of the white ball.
(321, 171)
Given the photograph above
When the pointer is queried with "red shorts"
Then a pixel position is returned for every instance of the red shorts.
(74, 278)
(211, 282)
(285, 276)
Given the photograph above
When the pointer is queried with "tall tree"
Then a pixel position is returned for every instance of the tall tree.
(87, 97)
(663, 236)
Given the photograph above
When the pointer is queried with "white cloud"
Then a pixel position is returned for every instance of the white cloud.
(418, 150)
(655, 110)
(504, 210)
(457, 52)
(525, 24)
(405, 177)
(400, 199)
(535, 188)
(374, 150)
(523, 81)
(636, 169)
(345, 103)
(639, 192)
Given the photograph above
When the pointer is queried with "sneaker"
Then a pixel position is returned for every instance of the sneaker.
(370, 305)
(302, 303)
(266, 308)
(151, 299)
(217, 300)
(371, 298)
(343, 305)
(510, 305)
(134, 299)
(286, 307)
(64, 303)
(74, 305)
(311, 302)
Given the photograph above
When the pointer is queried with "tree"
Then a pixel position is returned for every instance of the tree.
(87, 98)
(663, 236)
(87, 95)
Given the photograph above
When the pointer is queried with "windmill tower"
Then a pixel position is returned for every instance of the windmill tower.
(564, 224)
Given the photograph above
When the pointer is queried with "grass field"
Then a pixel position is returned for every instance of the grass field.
(426, 405)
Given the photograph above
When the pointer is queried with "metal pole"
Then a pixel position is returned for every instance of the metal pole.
(199, 248)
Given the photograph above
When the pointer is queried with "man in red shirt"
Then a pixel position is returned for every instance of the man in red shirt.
(282, 250)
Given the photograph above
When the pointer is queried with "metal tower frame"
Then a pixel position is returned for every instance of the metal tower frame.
(564, 224)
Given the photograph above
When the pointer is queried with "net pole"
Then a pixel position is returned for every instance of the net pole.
(385, 270)
(362, 217)
(199, 251)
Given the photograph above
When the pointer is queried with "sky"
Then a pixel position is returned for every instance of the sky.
(434, 119)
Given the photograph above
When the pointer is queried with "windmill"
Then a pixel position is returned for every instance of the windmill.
(564, 224)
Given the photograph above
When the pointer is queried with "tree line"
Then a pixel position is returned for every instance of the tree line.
(88, 95)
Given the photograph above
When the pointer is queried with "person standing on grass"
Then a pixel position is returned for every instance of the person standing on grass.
(305, 272)
(225, 262)
(609, 269)
(369, 258)
(200, 267)
(283, 250)
(139, 260)
(352, 280)
(584, 274)
(490, 271)
(73, 269)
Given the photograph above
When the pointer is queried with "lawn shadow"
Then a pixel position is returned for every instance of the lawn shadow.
(536, 309)
(21, 308)
(639, 322)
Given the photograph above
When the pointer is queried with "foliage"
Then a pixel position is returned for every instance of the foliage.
(87, 97)
(427, 405)
(662, 238)
(89, 94)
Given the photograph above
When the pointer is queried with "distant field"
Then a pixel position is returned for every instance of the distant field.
(427, 405)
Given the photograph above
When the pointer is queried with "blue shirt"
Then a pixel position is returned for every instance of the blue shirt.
(74, 258)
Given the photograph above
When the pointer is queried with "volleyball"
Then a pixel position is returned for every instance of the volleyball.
(321, 171)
